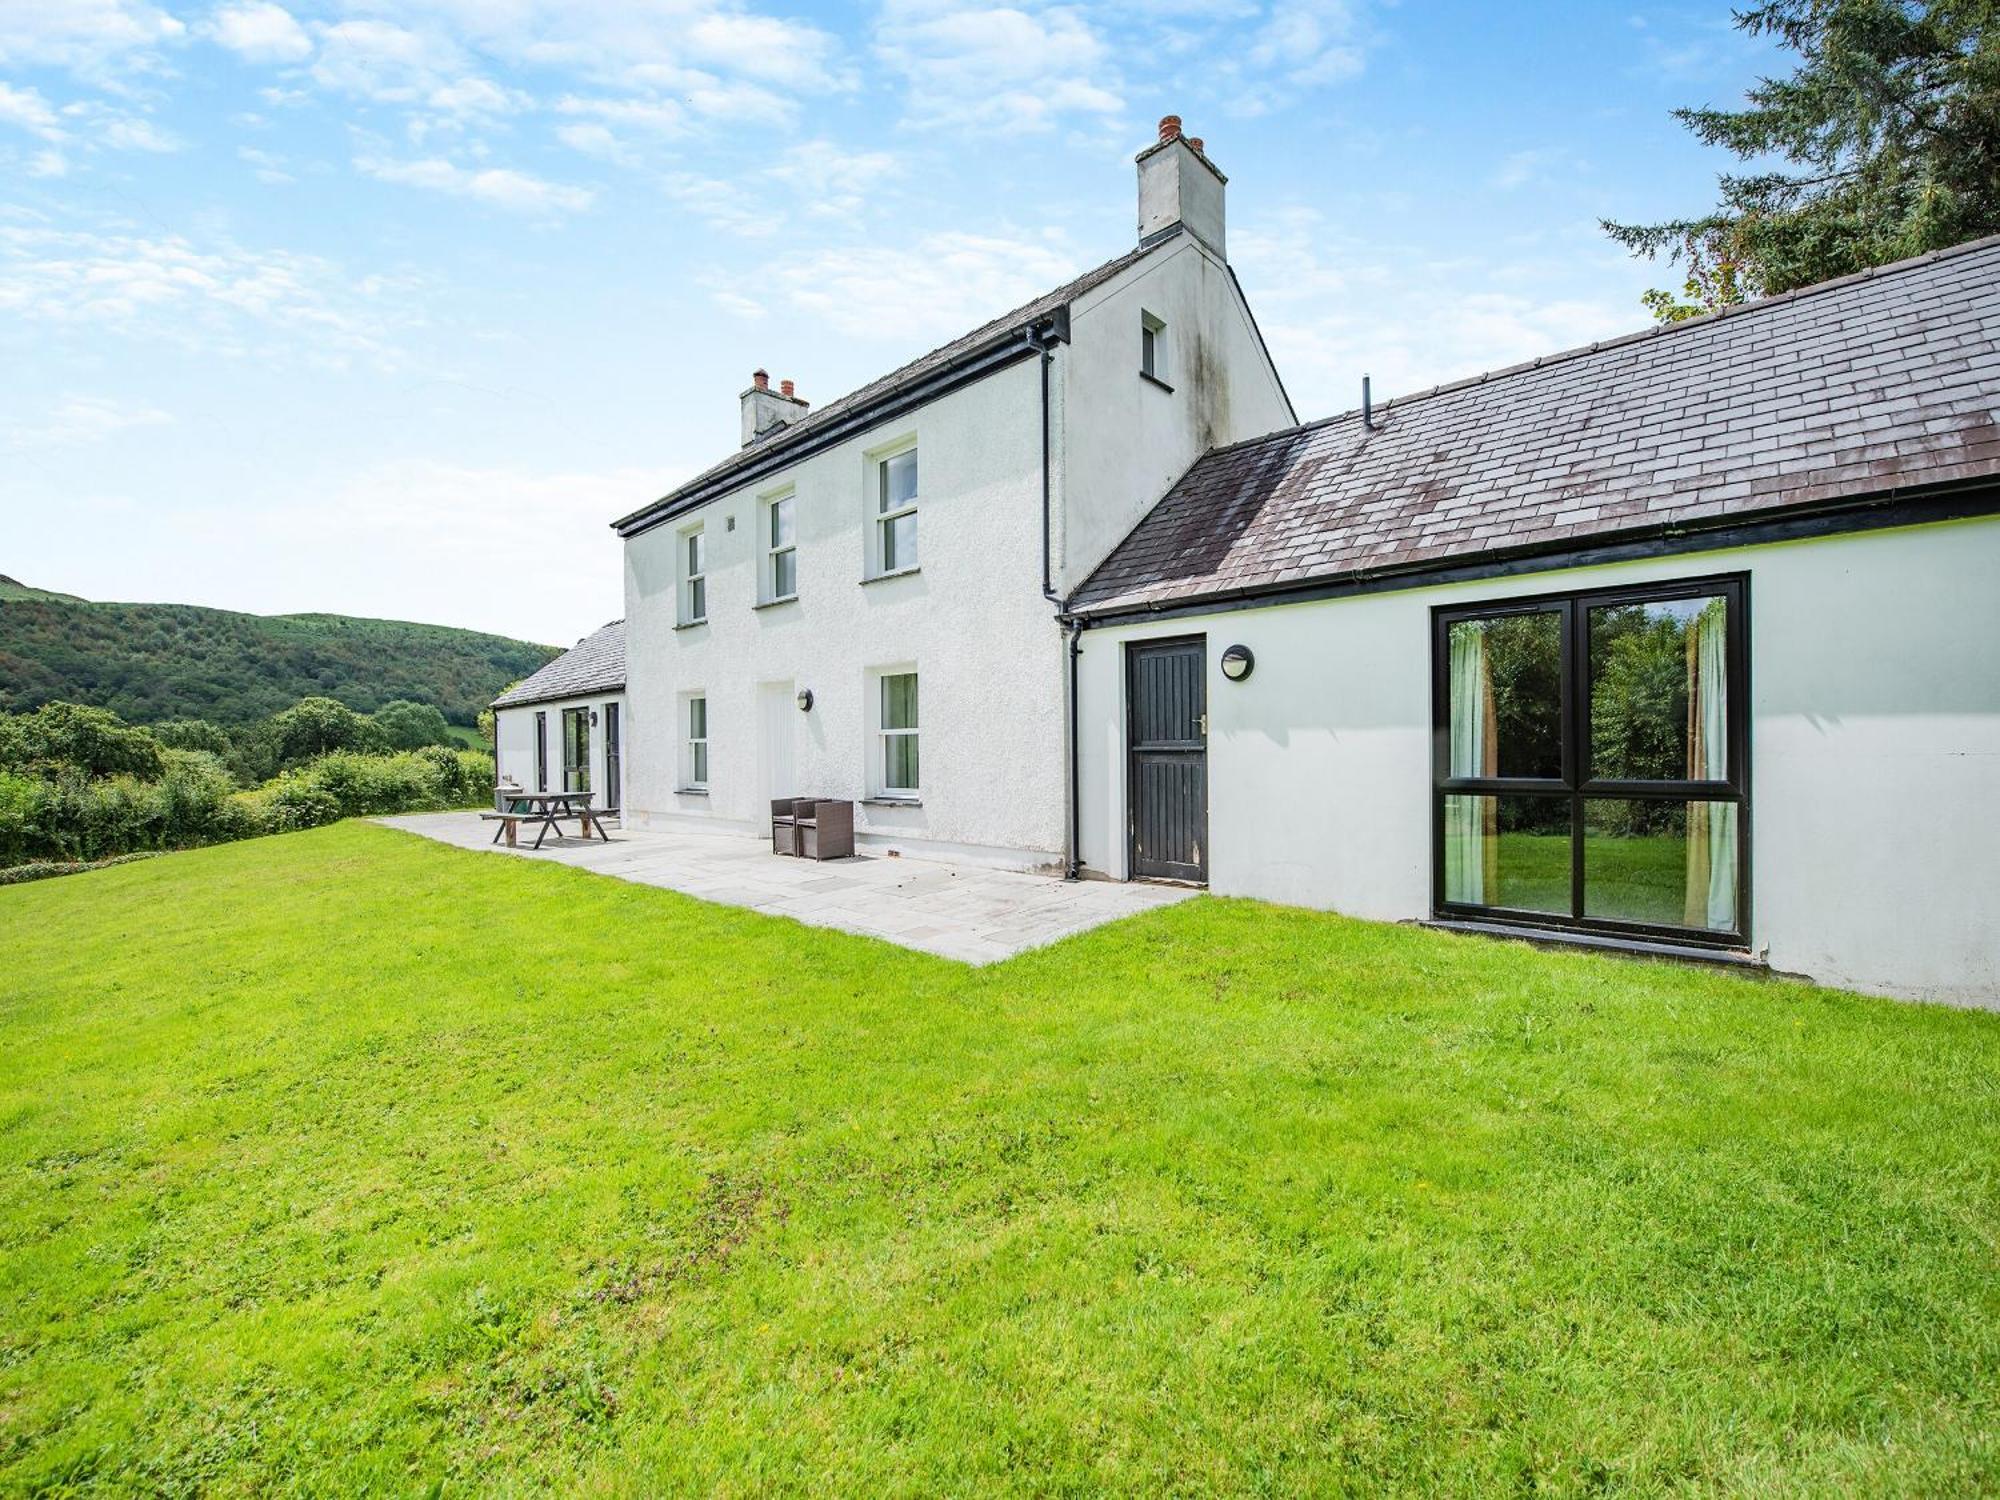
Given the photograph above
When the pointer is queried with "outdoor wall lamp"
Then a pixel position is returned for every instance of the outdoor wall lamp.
(1238, 663)
(805, 700)
(593, 718)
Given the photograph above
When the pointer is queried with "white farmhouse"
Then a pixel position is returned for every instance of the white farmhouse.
(1685, 643)
(865, 600)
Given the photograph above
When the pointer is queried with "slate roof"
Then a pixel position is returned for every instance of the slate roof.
(595, 664)
(1872, 384)
(798, 433)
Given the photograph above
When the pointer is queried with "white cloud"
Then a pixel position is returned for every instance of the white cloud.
(268, 166)
(83, 35)
(934, 290)
(131, 133)
(832, 180)
(595, 140)
(657, 116)
(26, 108)
(76, 421)
(725, 204)
(1308, 42)
(216, 297)
(997, 66)
(48, 164)
(260, 32)
(500, 186)
(1334, 308)
(383, 61)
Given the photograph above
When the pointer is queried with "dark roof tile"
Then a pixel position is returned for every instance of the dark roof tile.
(595, 664)
(1871, 384)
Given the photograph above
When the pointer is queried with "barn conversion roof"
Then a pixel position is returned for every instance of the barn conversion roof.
(595, 664)
(1875, 385)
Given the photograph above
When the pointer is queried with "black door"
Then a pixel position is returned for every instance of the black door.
(612, 768)
(1167, 711)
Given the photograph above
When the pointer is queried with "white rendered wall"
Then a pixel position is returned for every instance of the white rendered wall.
(1124, 440)
(972, 620)
(514, 729)
(1875, 751)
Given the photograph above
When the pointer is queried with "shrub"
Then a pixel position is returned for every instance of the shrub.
(43, 869)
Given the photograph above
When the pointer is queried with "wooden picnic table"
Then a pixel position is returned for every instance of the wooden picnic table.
(545, 808)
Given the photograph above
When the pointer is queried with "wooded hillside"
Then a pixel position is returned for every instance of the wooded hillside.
(149, 662)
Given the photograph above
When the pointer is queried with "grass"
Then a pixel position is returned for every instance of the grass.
(342, 1162)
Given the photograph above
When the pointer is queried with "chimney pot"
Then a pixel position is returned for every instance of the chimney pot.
(761, 379)
(785, 387)
(1195, 141)
(1170, 127)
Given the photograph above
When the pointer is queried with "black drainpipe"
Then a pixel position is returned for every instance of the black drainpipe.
(1045, 339)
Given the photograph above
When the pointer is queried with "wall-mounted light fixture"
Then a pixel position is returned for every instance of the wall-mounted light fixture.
(593, 718)
(805, 700)
(1238, 663)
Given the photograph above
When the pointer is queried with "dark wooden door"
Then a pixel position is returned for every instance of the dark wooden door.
(614, 759)
(1167, 715)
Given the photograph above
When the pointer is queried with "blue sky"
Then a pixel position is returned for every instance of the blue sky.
(365, 307)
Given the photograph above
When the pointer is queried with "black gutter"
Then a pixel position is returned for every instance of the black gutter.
(1913, 507)
(1017, 344)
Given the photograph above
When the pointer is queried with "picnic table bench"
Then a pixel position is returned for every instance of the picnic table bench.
(545, 808)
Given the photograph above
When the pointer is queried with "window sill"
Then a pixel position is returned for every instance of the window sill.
(775, 603)
(690, 791)
(691, 624)
(1556, 937)
(1155, 380)
(885, 800)
(893, 573)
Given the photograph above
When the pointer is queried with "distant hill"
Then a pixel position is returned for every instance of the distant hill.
(148, 662)
(12, 589)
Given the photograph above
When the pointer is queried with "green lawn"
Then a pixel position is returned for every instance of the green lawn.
(343, 1162)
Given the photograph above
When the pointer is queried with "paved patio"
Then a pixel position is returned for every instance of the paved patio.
(966, 912)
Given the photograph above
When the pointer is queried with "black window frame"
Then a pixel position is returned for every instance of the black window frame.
(1576, 784)
(541, 750)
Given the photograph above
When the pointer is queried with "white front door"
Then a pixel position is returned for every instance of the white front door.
(777, 716)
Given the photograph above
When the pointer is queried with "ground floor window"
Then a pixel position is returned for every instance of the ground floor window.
(576, 749)
(1589, 762)
(899, 734)
(541, 752)
(697, 743)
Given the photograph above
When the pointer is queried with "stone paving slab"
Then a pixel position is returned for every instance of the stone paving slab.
(963, 912)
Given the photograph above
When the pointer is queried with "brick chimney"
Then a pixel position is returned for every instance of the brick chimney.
(1178, 184)
(766, 410)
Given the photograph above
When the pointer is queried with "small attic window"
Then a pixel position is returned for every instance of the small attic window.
(1152, 347)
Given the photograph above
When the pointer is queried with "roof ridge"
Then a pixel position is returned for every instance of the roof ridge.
(1642, 335)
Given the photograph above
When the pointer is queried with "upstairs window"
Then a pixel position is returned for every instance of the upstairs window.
(1589, 761)
(896, 512)
(899, 734)
(781, 554)
(1152, 348)
(694, 577)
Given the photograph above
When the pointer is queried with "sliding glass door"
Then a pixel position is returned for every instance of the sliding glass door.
(576, 749)
(1589, 761)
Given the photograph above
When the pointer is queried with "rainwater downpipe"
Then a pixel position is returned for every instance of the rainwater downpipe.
(1044, 340)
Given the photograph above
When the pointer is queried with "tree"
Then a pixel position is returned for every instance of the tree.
(94, 741)
(193, 734)
(1891, 126)
(410, 726)
(314, 726)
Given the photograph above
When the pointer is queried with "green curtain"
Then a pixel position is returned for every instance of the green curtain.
(1710, 900)
(1468, 843)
